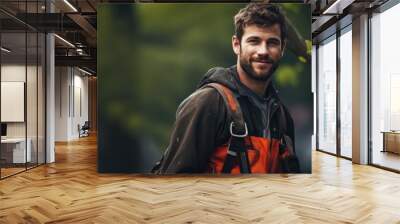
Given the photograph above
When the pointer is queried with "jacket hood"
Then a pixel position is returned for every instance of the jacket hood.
(222, 76)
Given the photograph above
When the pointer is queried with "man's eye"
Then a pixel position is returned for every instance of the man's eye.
(274, 43)
(252, 41)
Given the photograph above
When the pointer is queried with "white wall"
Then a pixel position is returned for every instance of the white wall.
(71, 94)
(13, 73)
(62, 81)
(16, 73)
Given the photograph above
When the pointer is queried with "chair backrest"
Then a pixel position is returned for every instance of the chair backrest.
(86, 125)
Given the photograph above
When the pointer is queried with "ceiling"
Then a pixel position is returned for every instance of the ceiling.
(73, 20)
(330, 15)
(76, 22)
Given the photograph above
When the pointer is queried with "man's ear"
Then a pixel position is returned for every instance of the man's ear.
(236, 44)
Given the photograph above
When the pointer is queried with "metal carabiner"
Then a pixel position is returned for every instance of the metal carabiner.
(239, 135)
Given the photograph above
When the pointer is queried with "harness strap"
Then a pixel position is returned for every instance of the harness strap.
(237, 152)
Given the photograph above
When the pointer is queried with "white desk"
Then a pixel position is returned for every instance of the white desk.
(18, 150)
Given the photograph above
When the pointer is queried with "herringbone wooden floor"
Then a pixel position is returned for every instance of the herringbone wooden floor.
(71, 191)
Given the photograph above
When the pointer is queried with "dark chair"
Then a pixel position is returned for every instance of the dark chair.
(84, 130)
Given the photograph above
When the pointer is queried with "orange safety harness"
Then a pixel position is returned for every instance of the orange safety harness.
(251, 154)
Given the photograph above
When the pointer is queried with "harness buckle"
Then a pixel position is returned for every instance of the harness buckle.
(232, 153)
(239, 135)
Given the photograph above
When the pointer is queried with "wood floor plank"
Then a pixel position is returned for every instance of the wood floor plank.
(71, 191)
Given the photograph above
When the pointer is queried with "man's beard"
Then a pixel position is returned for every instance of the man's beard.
(246, 66)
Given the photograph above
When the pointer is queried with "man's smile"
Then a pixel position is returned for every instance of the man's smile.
(262, 63)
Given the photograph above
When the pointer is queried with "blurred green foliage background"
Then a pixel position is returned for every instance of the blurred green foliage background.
(151, 56)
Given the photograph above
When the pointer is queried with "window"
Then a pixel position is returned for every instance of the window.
(385, 89)
(22, 77)
(327, 95)
(346, 75)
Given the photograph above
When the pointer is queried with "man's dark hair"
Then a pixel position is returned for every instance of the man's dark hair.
(260, 14)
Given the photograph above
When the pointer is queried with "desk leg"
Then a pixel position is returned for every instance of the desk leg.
(384, 142)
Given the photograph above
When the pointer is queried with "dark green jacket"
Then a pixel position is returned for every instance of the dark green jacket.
(202, 123)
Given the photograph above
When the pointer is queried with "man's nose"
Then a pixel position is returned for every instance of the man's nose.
(263, 49)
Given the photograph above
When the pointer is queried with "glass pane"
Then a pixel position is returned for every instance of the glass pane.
(345, 94)
(41, 98)
(385, 84)
(327, 95)
(31, 87)
(31, 100)
(13, 86)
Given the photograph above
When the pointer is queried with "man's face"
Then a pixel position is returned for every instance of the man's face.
(259, 51)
